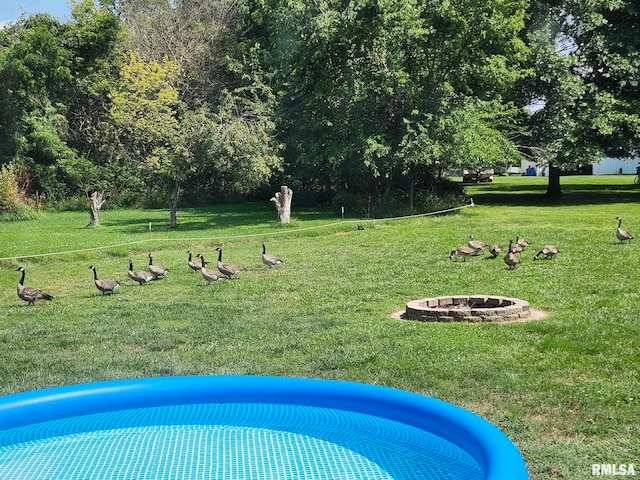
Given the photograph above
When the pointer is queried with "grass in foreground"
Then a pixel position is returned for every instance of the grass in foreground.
(565, 388)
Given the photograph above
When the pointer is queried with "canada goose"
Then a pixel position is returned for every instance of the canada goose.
(510, 258)
(516, 247)
(477, 245)
(194, 265)
(549, 251)
(228, 269)
(464, 251)
(522, 242)
(139, 276)
(210, 275)
(622, 234)
(495, 250)
(30, 294)
(105, 286)
(269, 260)
(158, 271)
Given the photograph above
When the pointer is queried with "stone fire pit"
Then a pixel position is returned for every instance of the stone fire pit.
(467, 308)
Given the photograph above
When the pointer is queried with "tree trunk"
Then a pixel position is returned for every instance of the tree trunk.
(97, 200)
(553, 187)
(282, 201)
(173, 213)
(173, 207)
(412, 189)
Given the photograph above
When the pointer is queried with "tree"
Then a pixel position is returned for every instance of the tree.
(57, 78)
(145, 117)
(586, 75)
(471, 135)
(200, 36)
(232, 150)
(227, 136)
(96, 39)
(35, 73)
(282, 202)
(97, 199)
(371, 89)
(608, 57)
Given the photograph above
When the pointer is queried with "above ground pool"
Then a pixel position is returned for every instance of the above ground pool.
(246, 428)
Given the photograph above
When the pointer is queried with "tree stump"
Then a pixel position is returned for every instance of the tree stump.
(97, 200)
(282, 201)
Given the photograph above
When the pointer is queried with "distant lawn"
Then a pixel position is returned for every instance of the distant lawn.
(565, 388)
(576, 189)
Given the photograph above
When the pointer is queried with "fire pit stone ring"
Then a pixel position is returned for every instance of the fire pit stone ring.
(467, 308)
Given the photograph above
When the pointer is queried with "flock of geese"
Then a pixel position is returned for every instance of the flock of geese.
(476, 247)
(223, 271)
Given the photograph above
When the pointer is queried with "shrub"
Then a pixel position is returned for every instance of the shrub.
(13, 205)
(9, 193)
(428, 197)
(439, 195)
(22, 212)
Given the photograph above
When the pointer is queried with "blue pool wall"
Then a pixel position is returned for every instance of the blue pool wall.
(489, 446)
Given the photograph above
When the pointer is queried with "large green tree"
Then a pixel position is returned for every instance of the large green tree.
(96, 39)
(35, 74)
(227, 130)
(374, 92)
(587, 78)
(56, 78)
(232, 148)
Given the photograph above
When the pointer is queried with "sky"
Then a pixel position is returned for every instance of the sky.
(10, 10)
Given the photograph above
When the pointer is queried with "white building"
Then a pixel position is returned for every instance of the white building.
(607, 166)
(616, 166)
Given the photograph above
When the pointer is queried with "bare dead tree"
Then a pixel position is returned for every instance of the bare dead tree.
(97, 200)
(282, 201)
(194, 34)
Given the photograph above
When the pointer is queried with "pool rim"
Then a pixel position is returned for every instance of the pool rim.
(496, 454)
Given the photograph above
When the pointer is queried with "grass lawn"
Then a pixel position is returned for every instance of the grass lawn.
(565, 389)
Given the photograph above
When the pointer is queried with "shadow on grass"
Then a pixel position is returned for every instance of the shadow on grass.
(205, 218)
(506, 191)
(535, 194)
